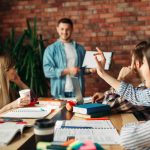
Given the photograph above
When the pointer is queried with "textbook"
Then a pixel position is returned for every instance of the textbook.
(99, 131)
(27, 112)
(8, 130)
(94, 115)
(91, 108)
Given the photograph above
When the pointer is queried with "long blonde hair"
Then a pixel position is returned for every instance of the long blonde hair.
(5, 64)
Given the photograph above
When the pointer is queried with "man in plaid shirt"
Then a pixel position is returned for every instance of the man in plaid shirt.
(118, 103)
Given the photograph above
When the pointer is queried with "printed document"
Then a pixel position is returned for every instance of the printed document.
(89, 61)
(100, 131)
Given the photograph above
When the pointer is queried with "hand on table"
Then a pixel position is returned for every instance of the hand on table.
(98, 96)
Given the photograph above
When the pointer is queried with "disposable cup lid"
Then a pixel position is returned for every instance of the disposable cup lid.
(44, 123)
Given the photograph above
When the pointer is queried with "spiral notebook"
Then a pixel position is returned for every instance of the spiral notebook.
(27, 112)
(99, 131)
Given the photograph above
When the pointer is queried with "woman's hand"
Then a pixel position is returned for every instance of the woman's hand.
(125, 72)
(21, 102)
(97, 97)
(13, 76)
(100, 60)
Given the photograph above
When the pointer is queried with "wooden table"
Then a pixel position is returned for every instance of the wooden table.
(27, 140)
(118, 121)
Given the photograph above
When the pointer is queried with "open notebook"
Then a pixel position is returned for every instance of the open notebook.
(27, 112)
(8, 130)
(99, 131)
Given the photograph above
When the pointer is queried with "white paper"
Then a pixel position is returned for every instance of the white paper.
(8, 130)
(102, 131)
(27, 112)
(87, 123)
(85, 99)
(89, 61)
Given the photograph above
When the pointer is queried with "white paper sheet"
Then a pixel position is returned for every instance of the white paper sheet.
(99, 131)
(89, 61)
(27, 112)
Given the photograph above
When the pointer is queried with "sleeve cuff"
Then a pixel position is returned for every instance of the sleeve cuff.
(58, 72)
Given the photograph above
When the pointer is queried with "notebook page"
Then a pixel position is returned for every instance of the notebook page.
(92, 62)
(101, 136)
(28, 112)
(8, 130)
(100, 131)
(87, 123)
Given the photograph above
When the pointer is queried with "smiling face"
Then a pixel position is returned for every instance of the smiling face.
(65, 31)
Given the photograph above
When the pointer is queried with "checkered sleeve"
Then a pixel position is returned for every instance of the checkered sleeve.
(134, 95)
(136, 136)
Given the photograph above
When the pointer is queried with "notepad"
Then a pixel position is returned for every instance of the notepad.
(99, 131)
(27, 112)
(89, 61)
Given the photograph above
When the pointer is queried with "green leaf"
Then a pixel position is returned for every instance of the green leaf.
(28, 51)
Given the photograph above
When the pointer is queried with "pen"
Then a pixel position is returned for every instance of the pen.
(42, 109)
(76, 127)
(11, 120)
(18, 121)
(58, 147)
(97, 118)
(23, 122)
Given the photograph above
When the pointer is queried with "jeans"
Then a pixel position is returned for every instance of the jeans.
(68, 94)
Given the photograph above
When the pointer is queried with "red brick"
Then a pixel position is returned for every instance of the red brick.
(112, 25)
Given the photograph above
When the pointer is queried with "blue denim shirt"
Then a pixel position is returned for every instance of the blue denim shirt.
(54, 62)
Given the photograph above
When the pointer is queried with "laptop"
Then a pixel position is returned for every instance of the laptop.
(78, 94)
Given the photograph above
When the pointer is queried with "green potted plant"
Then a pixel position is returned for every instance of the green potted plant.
(28, 51)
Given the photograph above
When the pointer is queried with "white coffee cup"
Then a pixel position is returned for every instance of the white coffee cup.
(25, 92)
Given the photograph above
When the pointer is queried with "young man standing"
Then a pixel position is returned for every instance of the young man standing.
(64, 59)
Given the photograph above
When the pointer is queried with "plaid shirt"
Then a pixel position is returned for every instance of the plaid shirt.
(119, 104)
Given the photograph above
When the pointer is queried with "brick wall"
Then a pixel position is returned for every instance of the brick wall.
(113, 25)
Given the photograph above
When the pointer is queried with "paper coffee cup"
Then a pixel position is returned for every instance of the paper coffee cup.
(25, 92)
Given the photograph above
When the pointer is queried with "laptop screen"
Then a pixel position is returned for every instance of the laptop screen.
(77, 90)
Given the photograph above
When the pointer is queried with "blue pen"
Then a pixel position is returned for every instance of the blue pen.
(76, 127)
(12, 120)
(42, 109)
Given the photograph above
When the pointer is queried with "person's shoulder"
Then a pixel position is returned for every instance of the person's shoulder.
(79, 46)
(52, 46)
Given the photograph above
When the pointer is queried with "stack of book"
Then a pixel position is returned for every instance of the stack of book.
(92, 110)
(52, 102)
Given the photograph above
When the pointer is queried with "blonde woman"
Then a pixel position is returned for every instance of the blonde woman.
(8, 73)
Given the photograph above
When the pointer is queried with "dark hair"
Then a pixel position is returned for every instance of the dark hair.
(146, 53)
(6, 60)
(65, 20)
(139, 49)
